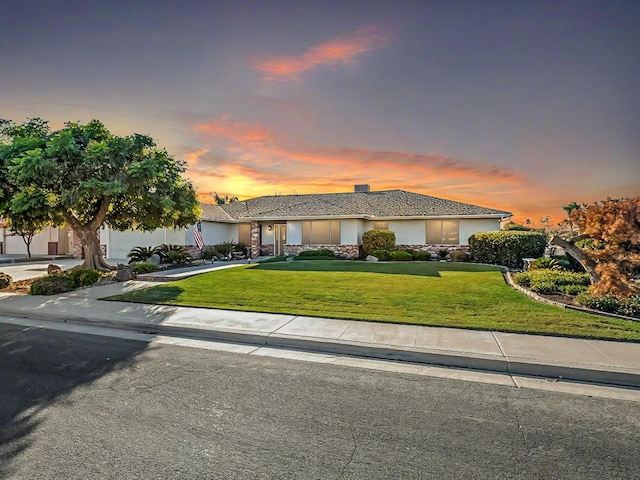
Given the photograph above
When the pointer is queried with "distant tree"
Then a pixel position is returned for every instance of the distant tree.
(516, 226)
(224, 200)
(26, 225)
(86, 176)
(613, 252)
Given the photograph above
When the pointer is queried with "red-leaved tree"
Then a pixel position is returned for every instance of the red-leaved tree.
(614, 226)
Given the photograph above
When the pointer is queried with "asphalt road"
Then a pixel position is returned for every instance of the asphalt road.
(83, 406)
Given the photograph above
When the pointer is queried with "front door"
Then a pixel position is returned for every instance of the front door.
(280, 238)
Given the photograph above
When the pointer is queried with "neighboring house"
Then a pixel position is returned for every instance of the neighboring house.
(50, 241)
(283, 224)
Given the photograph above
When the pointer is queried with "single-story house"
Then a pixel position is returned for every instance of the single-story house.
(283, 224)
(289, 224)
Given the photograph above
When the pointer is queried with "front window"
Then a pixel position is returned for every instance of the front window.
(381, 225)
(321, 232)
(443, 232)
(244, 233)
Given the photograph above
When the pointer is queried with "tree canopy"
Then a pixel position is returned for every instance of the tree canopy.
(85, 176)
(613, 255)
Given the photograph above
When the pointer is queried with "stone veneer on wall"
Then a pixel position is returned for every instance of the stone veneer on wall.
(433, 248)
(347, 251)
(255, 240)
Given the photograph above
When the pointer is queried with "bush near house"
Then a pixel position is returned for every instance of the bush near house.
(400, 256)
(209, 253)
(459, 256)
(421, 256)
(506, 248)
(65, 282)
(140, 254)
(145, 267)
(51, 285)
(383, 255)
(378, 240)
(83, 278)
(324, 252)
(225, 248)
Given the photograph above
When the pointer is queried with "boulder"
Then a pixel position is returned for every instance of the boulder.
(54, 270)
(155, 259)
(371, 258)
(124, 274)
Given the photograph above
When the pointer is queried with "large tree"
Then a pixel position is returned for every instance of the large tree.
(613, 254)
(89, 177)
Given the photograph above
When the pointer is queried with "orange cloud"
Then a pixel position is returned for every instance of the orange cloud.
(248, 160)
(340, 51)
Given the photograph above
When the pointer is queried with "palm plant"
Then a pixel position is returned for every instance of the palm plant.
(141, 254)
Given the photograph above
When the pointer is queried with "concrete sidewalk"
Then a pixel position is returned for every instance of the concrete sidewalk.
(616, 363)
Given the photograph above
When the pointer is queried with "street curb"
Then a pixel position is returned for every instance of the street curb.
(503, 364)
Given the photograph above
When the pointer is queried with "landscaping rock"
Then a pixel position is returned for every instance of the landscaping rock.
(371, 258)
(124, 274)
(155, 259)
(54, 270)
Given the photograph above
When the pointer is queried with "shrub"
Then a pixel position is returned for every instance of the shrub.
(523, 279)
(51, 285)
(606, 304)
(630, 307)
(378, 240)
(225, 248)
(140, 254)
(460, 256)
(177, 256)
(279, 258)
(573, 289)
(551, 281)
(400, 256)
(506, 247)
(545, 262)
(5, 280)
(422, 256)
(145, 267)
(317, 253)
(381, 255)
(209, 253)
(545, 287)
(164, 251)
(84, 277)
(242, 248)
(442, 253)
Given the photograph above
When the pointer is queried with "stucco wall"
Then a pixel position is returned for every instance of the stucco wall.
(471, 226)
(214, 233)
(408, 231)
(349, 232)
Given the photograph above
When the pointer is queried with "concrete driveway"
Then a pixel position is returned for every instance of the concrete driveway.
(38, 268)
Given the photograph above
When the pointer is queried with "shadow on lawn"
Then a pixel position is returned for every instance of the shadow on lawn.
(423, 269)
(161, 294)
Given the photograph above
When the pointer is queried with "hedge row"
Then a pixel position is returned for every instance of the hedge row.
(506, 248)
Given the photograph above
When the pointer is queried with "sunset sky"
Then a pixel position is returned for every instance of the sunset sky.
(517, 105)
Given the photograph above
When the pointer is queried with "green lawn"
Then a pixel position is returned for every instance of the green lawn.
(424, 293)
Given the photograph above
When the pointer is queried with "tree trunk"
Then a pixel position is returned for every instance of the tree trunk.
(91, 249)
(569, 247)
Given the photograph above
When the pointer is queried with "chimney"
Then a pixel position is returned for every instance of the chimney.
(362, 188)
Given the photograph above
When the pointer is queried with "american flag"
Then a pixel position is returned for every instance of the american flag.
(197, 235)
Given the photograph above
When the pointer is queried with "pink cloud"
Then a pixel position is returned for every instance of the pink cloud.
(339, 51)
(248, 159)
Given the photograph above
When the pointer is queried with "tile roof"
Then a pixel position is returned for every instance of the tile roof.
(382, 204)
